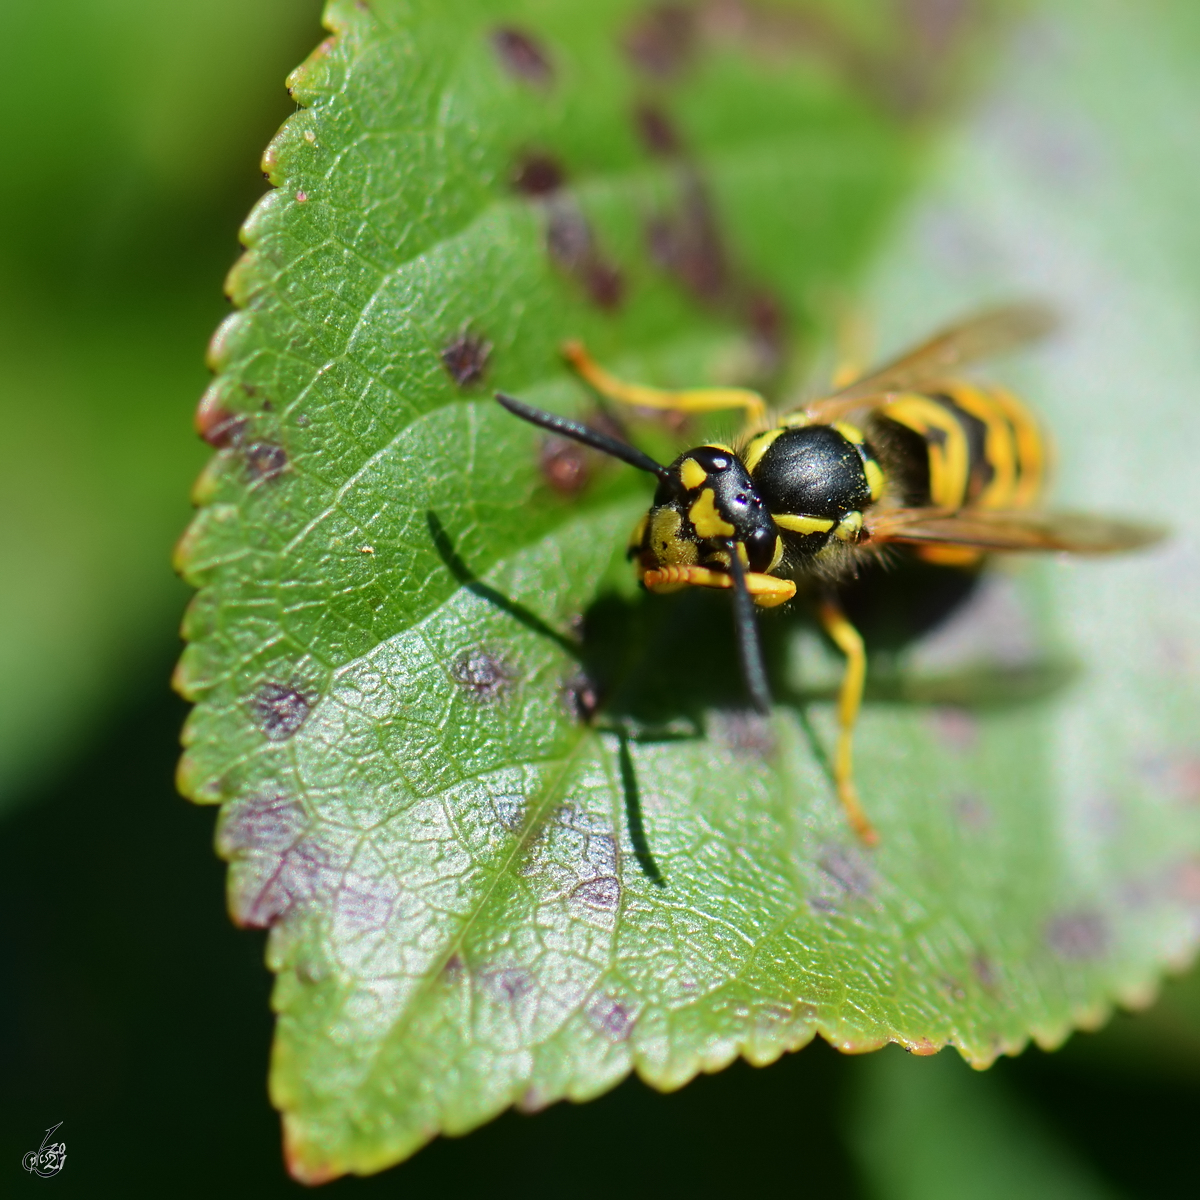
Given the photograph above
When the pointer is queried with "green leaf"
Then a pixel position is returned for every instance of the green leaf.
(479, 897)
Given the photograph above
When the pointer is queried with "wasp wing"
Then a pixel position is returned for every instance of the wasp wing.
(983, 529)
(989, 333)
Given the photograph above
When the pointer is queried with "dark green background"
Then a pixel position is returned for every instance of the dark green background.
(130, 1009)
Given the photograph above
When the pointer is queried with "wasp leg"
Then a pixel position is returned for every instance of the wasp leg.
(768, 591)
(849, 641)
(693, 400)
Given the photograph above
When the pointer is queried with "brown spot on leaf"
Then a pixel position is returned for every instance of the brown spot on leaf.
(662, 41)
(265, 460)
(565, 465)
(686, 243)
(1081, 934)
(454, 969)
(466, 358)
(219, 427)
(656, 130)
(538, 175)
(281, 710)
(522, 57)
(604, 283)
(482, 676)
(571, 245)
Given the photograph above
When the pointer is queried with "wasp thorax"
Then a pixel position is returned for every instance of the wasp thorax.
(816, 480)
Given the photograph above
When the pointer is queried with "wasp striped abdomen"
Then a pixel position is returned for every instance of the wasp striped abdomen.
(962, 446)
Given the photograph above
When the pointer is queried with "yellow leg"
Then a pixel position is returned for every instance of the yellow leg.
(768, 590)
(694, 400)
(849, 641)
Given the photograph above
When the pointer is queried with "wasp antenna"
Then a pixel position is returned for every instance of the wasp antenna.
(749, 647)
(581, 433)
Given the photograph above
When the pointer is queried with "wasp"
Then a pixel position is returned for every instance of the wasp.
(908, 454)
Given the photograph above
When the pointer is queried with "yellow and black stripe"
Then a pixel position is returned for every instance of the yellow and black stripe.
(979, 448)
(963, 446)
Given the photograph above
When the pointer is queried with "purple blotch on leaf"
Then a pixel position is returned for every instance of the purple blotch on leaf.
(1081, 934)
(662, 41)
(571, 245)
(687, 244)
(656, 130)
(610, 1017)
(522, 56)
(603, 892)
(265, 460)
(538, 175)
(274, 863)
(281, 710)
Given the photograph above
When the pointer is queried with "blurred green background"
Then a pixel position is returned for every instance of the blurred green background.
(130, 1009)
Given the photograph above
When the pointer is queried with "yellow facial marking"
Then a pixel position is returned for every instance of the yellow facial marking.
(665, 542)
(849, 527)
(704, 516)
(798, 524)
(638, 536)
(777, 555)
(692, 474)
(758, 447)
(874, 478)
(851, 433)
(719, 446)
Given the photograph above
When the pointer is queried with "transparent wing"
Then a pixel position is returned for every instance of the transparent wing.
(989, 333)
(1075, 533)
